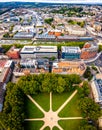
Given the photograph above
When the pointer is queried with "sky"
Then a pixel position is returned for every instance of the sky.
(57, 1)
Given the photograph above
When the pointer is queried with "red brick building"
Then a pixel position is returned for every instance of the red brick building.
(13, 53)
(89, 51)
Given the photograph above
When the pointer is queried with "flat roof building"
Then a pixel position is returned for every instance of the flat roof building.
(70, 52)
(38, 51)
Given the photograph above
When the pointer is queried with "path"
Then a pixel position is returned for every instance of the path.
(50, 100)
(71, 118)
(41, 109)
(66, 102)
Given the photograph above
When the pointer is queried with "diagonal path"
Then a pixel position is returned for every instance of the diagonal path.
(58, 126)
(42, 128)
(65, 103)
(41, 109)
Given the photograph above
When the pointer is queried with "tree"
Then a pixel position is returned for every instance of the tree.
(84, 90)
(88, 74)
(61, 85)
(48, 20)
(6, 35)
(90, 109)
(86, 126)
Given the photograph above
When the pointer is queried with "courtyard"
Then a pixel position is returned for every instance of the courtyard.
(52, 111)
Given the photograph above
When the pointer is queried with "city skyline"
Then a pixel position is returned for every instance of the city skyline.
(56, 1)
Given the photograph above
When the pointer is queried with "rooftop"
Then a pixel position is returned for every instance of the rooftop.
(32, 49)
(69, 67)
(67, 49)
(97, 88)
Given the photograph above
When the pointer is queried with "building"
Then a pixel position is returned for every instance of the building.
(32, 63)
(5, 73)
(74, 38)
(55, 32)
(31, 66)
(2, 93)
(45, 37)
(76, 30)
(13, 53)
(38, 52)
(5, 70)
(96, 86)
(70, 52)
(89, 51)
(69, 67)
(24, 35)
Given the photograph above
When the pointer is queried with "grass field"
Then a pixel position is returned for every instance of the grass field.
(33, 125)
(59, 99)
(70, 124)
(31, 110)
(43, 99)
(71, 109)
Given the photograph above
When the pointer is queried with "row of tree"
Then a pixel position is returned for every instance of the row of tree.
(12, 117)
(91, 110)
(32, 84)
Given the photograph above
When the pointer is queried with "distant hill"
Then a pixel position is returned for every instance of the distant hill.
(30, 4)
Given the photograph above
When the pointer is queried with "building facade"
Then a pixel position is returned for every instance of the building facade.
(96, 86)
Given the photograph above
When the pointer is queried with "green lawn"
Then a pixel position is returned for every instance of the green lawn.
(70, 124)
(33, 125)
(43, 99)
(47, 128)
(55, 128)
(59, 99)
(71, 109)
(31, 110)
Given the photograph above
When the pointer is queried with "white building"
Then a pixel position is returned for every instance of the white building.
(38, 52)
